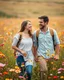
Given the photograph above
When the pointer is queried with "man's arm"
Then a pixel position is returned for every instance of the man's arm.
(57, 45)
(34, 45)
(34, 51)
(14, 43)
(57, 50)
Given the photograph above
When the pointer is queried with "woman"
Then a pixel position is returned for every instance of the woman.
(24, 50)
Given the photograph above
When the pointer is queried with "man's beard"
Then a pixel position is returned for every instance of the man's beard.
(42, 27)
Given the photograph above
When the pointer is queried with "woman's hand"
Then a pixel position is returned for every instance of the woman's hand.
(24, 53)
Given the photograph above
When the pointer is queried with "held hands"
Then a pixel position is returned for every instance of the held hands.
(56, 57)
(36, 58)
(24, 53)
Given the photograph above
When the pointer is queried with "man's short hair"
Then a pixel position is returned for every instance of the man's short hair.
(45, 18)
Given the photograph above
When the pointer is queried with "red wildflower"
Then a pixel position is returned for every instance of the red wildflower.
(5, 73)
(1, 44)
(55, 77)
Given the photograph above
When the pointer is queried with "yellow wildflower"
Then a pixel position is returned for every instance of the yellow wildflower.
(7, 79)
(52, 62)
(16, 67)
(61, 77)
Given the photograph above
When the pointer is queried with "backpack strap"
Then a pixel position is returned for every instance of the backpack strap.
(20, 37)
(37, 34)
(52, 34)
(18, 41)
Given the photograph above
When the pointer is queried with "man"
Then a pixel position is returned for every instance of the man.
(44, 40)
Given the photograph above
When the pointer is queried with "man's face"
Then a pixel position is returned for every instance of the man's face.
(42, 24)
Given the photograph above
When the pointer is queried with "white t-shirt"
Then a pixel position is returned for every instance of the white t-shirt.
(26, 45)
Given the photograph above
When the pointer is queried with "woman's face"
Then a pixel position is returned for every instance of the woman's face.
(29, 26)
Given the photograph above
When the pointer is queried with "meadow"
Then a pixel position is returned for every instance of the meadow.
(12, 13)
(31, 8)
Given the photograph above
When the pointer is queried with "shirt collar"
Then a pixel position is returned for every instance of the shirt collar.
(46, 31)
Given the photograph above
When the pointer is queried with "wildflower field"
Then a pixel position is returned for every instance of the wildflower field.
(12, 13)
(8, 69)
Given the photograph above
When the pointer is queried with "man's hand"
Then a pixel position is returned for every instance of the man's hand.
(56, 57)
(57, 50)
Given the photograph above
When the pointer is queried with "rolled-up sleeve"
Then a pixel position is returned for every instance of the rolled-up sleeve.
(34, 39)
(15, 40)
(56, 38)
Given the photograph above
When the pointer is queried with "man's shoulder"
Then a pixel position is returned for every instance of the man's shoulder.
(52, 29)
(36, 32)
(53, 32)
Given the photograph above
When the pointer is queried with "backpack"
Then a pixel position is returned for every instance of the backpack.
(18, 44)
(52, 34)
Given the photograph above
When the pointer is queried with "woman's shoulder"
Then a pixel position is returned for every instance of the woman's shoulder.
(17, 35)
(20, 33)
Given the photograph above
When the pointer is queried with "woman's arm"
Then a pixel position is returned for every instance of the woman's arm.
(19, 50)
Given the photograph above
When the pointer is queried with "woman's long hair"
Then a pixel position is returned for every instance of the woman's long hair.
(23, 25)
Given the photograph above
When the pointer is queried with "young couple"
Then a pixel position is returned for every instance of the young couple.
(36, 46)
